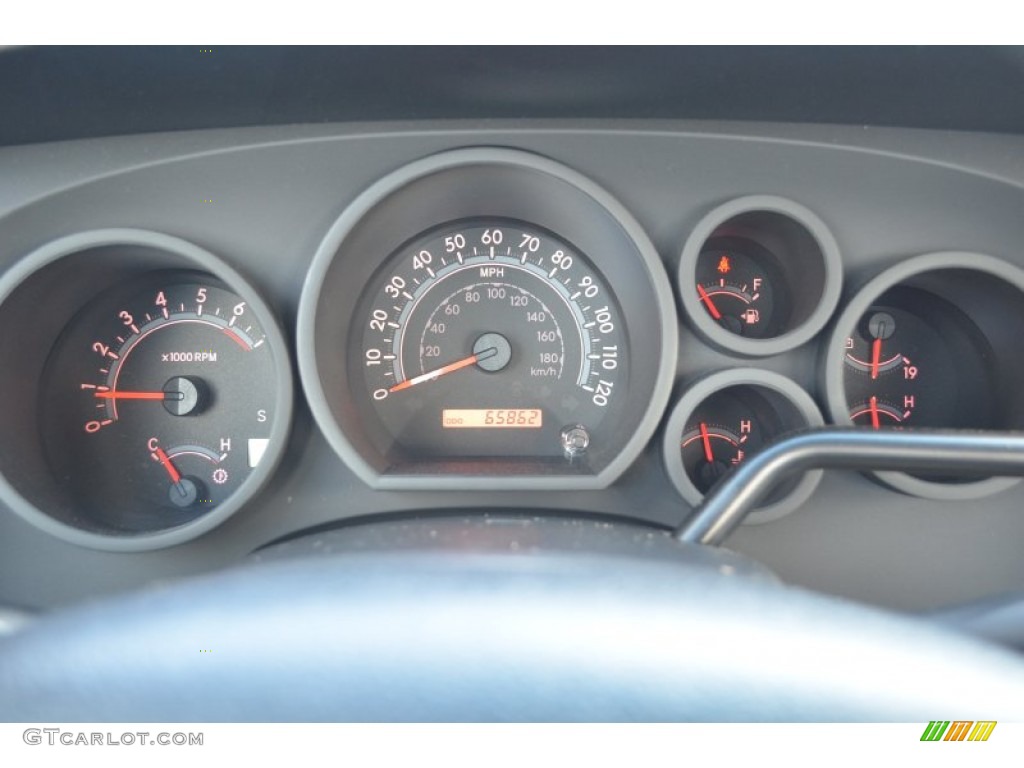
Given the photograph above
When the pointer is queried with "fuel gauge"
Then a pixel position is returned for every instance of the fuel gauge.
(759, 275)
(736, 283)
(726, 418)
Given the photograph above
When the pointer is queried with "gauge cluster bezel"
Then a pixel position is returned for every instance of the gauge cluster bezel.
(483, 183)
(989, 291)
(44, 292)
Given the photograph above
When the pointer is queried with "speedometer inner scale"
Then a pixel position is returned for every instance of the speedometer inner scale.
(491, 337)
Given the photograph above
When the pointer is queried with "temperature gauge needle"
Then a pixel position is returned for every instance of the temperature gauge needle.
(706, 439)
(444, 370)
(164, 459)
(707, 300)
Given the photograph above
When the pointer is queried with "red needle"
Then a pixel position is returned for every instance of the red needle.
(112, 395)
(707, 443)
(165, 460)
(874, 412)
(876, 353)
(707, 300)
(445, 369)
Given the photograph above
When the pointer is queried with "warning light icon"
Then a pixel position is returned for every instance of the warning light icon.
(723, 266)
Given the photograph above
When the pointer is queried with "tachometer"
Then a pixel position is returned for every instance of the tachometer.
(152, 394)
(492, 337)
(487, 319)
(158, 401)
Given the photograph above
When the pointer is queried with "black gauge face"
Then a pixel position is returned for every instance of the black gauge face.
(917, 360)
(491, 337)
(158, 401)
(739, 287)
(723, 430)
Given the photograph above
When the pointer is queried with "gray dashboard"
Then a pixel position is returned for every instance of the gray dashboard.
(885, 194)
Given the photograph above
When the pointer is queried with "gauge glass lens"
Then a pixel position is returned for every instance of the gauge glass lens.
(158, 401)
(491, 338)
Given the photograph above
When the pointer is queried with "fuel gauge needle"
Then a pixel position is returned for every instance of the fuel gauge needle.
(444, 370)
(707, 300)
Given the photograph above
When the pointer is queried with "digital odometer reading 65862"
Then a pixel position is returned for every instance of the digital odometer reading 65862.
(485, 418)
(491, 323)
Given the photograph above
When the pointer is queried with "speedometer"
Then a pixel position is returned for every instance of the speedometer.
(487, 318)
(492, 337)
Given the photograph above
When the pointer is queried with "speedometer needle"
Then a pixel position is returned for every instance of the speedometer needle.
(444, 370)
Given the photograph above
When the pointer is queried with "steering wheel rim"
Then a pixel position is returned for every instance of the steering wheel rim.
(496, 619)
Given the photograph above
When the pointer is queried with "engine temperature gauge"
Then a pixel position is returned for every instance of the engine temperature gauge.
(727, 417)
(713, 446)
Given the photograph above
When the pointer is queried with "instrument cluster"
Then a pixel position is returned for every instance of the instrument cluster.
(479, 319)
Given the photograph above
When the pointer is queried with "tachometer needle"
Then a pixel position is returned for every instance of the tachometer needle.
(444, 370)
(164, 459)
(707, 300)
(876, 354)
(874, 412)
(112, 395)
(706, 438)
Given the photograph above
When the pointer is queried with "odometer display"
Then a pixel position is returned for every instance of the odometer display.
(476, 418)
(485, 311)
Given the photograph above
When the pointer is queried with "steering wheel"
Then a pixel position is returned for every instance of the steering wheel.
(511, 618)
(495, 619)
